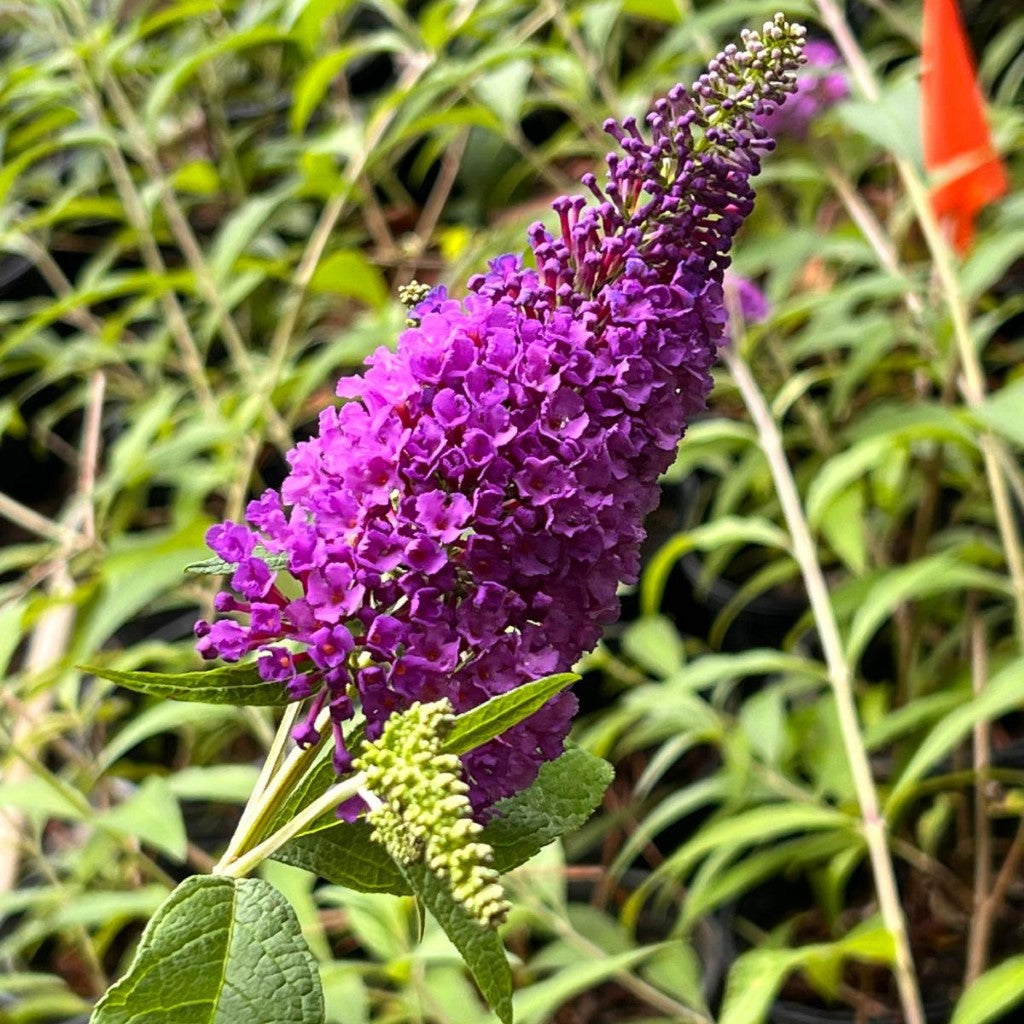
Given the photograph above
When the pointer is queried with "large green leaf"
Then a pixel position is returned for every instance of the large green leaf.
(562, 798)
(479, 945)
(346, 855)
(219, 951)
(228, 684)
(500, 713)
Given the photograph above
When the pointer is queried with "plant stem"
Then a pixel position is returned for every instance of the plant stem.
(973, 382)
(242, 865)
(980, 932)
(271, 788)
(840, 678)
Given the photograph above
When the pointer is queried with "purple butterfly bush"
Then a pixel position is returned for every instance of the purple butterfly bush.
(460, 524)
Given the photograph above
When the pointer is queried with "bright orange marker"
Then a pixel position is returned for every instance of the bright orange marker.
(956, 136)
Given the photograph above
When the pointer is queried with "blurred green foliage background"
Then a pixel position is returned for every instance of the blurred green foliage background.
(206, 210)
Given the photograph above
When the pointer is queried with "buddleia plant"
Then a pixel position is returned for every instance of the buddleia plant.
(451, 541)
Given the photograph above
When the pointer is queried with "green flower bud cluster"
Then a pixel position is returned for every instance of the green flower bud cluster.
(424, 811)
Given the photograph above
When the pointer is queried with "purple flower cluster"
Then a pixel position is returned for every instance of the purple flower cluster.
(460, 525)
(823, 87)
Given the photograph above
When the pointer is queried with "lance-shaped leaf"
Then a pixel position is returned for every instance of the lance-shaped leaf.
(480, 946)
(238, 685)
(493, 717)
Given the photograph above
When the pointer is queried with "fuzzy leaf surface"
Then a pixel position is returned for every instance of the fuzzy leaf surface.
(480, 946)
(219, 951)
(564, 795)
(346, 855)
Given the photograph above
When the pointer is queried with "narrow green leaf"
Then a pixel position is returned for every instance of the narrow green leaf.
(312, 84)
(239, 685)
(346, 855)
(1003, 693)
(480, 946)
(654, 643)
(1003, 413)
(751, 828)
(218, 567)
(890, 120)
(538, 1002)
(163, 716)
(941, 573)
(238, 231)
(995, 992)
(500, 713)
(707, 537)
(217, 951)
(183, 69)
(754, 982)
(563, 796)
(153, 816)
(350, 273)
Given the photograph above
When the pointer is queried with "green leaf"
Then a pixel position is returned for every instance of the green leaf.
(239, 685)
(351, 274)
(500, 713)
(752, 828)
(842, 523)
(161, 717)
(1003, 692)
(654, 644)
(504, 88)
(217, 951)
(152, 815)
(707, 537)
(890, 121)
(537, 1003)
(754, 982)
(1002, 412)
(938, 574)
(480, 946)
(224, 783)
(240, 228)
(563, 796)
(183, 69)
(995, 992)
(218, 567)
(313, 82)
(346, 855)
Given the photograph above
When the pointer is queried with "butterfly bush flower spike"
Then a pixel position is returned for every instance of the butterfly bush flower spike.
(460, 524)
(822, 87)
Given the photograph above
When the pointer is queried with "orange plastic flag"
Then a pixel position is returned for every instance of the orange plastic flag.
(958, 149)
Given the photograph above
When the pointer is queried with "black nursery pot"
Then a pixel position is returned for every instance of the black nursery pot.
(695, 605)
(784, 1012)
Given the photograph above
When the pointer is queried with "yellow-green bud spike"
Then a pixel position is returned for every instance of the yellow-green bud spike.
(424, 812)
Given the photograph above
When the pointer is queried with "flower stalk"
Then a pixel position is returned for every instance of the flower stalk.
(840, 675)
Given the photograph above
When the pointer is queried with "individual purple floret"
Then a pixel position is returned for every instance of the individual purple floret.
(460, 525)
(822, 87)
